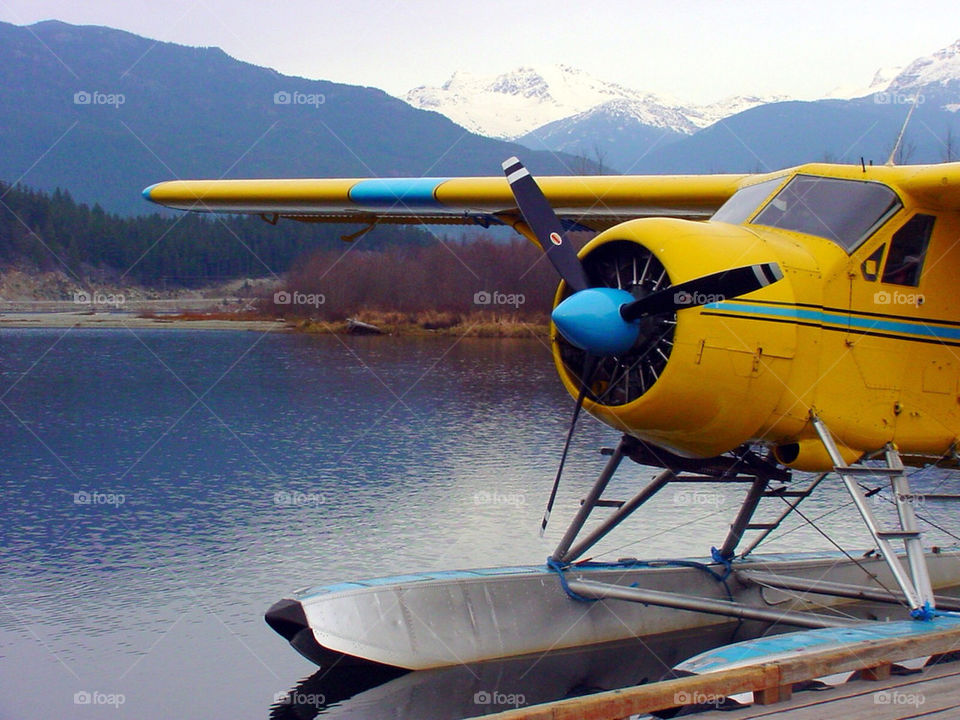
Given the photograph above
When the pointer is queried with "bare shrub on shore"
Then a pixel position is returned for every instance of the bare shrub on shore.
(434, 286)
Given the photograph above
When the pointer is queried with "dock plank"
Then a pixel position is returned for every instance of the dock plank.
(933, 694)
(940, 686)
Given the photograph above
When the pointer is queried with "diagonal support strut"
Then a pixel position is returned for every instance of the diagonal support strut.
(915, 585)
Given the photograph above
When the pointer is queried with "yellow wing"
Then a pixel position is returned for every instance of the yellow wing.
(589, 202)
(935, 186)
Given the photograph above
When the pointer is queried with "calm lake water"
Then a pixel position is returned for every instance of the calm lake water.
(160, 489)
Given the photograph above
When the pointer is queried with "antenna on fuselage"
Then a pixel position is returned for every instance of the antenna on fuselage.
(896, 147)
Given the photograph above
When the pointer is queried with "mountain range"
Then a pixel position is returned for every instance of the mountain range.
(515, 104)
(103, 113)
(561, 108)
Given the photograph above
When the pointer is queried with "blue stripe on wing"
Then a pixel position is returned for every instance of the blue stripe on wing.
(385, 193)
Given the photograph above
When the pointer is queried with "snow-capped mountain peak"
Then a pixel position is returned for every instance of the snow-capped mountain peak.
(514, 103)
(941, 69)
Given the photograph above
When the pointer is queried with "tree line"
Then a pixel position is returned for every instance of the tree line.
(49, 231)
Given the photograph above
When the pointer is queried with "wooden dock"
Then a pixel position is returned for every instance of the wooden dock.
(934, 693)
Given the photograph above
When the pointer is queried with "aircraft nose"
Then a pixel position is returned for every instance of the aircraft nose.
(287, 618)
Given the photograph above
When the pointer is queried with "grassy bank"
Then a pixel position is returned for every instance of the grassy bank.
(432, 323)
(427, 323)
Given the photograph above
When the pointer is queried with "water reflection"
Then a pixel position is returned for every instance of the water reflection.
(251, 465)
(472, 690)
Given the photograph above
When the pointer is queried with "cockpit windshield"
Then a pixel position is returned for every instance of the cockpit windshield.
(844, 211)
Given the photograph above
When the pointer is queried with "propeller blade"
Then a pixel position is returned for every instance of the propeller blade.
(545, 224)
(589, 366)
(700, 291)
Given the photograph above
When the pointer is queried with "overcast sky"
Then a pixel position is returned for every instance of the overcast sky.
(694, 50)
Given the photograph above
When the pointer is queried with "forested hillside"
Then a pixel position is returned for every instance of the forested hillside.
(53, 231)
(105, 113)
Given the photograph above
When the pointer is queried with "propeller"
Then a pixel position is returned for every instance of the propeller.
(603, 321)
(607, 321)
(546, 227)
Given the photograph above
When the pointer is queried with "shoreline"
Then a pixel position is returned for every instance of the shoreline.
(426, 326)
(86, 319)
(52, 300)
(388, 326)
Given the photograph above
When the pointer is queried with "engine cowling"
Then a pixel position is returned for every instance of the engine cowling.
(693, 382)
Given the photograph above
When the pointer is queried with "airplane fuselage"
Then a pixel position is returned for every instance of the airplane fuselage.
(863, 331)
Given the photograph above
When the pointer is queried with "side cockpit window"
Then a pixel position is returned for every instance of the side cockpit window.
(745, 201)
(907, 251)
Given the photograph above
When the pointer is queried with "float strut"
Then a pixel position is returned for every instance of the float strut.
(600, 590)
(916, 589)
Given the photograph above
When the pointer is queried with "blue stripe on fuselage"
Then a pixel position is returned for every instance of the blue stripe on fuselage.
(838, 319)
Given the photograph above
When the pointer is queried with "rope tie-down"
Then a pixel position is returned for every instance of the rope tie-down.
(560, 569)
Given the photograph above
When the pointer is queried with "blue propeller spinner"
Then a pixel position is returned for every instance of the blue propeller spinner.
(591, 320)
